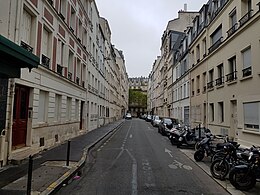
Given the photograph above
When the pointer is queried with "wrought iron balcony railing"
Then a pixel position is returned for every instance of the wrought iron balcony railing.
(231, 76)
(247, 71)
(210, 85)
(232, 30)
(69, 75)
(26, 46)
(59, 69)
(77, 80)
(45, 61)
(215, 45)
(219, 81)
(245, 18)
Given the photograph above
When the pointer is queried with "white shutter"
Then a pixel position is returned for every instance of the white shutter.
(65, 57)
(45, 36)
(26, 27)
(247, 58)
(251, 113)
(59, 52)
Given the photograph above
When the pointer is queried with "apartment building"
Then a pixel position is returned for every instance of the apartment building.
(69, 93)
(167, 95)
(220, 50)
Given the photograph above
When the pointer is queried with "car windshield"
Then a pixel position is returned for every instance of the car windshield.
(156, 118)
(167, 121)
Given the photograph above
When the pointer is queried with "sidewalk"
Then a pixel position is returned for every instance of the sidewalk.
(49, 167)
(205, 166)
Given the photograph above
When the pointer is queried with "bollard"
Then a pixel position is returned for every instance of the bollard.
(199, 132)
(68, 154)
(29, 179)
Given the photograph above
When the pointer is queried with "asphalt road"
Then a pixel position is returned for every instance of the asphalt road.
(138, 160)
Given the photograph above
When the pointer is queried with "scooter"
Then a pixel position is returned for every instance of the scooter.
(187, 137)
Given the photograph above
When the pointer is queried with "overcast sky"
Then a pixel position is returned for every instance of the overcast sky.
(137, 27)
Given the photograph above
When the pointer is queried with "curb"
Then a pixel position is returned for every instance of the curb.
(69, 174)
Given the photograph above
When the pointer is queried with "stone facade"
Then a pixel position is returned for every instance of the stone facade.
(80, 84)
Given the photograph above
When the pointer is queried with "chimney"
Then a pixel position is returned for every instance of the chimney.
(185, 7)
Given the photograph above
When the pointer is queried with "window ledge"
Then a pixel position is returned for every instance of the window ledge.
(247, 77)
(220, 86)
(232, 82)
(211, 89)
(251, 131)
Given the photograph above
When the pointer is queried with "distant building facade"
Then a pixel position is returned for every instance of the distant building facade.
(138, 84)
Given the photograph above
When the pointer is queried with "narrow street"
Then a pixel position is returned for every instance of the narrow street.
(138, 160)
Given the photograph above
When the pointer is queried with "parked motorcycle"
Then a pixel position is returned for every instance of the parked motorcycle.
(187, 137)
(206, 148)
(229, 157)
(244, 176)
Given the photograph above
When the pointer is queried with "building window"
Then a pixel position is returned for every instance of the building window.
(210, 84)
(43, 106)
(68, 109)
(204, 82)
(232, 75)
(198, 84)
(232, 22)
(46, 49)
(58, 99)
(63, 7)
(72, 19)
(220, 79)
(204, 43)
(198, 53)
(216, 39)
(27, 31)
(70, 65)
(221, 112)
(77, 109)
(211, 112)
(251, 115)
(192, 87)
(247, 66)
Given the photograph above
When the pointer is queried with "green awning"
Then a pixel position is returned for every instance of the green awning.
(13, 57)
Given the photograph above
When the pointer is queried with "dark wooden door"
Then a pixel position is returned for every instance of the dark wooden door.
(81, 115)
(20, 116)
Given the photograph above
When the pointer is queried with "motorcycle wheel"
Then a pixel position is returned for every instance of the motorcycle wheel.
(197, 146)
(218, 155)
(219, 169)
(242, 180)
(199, 155)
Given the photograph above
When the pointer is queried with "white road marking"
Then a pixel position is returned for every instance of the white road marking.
(168, 151)
(130, 136)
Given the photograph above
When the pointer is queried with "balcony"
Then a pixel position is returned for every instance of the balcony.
(215, 45)
(231, 76)
(77, 80)
(219, 81)
(45, 61)
(247, 71)
(69, 75)
(232, 30)
(71, 29)
(61, 16)
(59, 69)
(50, 2)
(204, 89)
(245, 18)
(26, 46)
(210, 85)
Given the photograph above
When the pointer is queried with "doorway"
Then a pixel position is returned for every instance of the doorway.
(20, 116)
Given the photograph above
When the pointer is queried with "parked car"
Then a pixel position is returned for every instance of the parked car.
(148, 118)
(156, 120)
(165, 126)
(128, 116)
